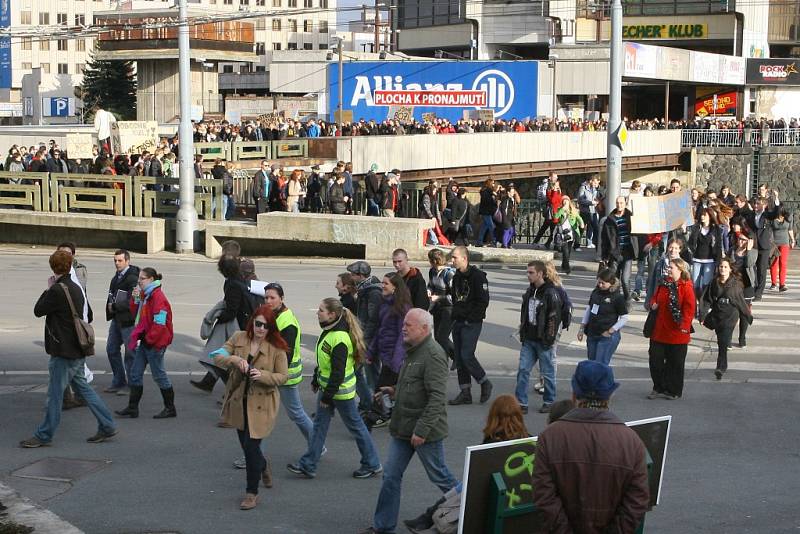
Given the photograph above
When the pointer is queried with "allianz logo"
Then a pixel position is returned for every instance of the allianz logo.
(496, 84)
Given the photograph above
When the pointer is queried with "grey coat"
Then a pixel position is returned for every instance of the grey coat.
(214, 332)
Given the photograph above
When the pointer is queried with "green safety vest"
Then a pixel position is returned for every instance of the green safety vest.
(283, 321)
(325, 346)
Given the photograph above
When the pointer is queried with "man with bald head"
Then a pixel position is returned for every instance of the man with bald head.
(618, 245)
(419, 418)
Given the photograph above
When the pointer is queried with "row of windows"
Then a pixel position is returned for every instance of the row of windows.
(261, 50)
(275, 3)
(61, 44)
(61, 68)
(44, 19)
(308, 25)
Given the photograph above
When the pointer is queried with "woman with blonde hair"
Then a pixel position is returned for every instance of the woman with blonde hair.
(340, 351)
(568, 230)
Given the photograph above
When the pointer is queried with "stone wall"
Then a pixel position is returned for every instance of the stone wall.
(717, 166)
(779, 167)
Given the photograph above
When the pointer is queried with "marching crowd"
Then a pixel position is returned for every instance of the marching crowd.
(382, 357)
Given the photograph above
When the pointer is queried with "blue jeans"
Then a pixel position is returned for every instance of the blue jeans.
(352, 420)
(602, 348)
(153, 357)
(702, 275)
(530, 352)
(364, 388)
(400, 452)
(487, 228)
(372, 208)
(229, 207)
(62, 372)
(290, 398)
(117, 337)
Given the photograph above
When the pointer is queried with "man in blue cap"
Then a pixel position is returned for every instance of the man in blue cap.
(590, 473)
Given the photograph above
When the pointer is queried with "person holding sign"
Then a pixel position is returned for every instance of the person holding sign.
(590, 472)
(619, 246)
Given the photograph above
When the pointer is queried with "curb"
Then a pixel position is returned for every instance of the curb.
(25, 512)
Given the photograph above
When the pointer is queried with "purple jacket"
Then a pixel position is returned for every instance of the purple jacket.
(388, 341)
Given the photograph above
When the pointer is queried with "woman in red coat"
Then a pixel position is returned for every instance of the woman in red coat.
(674, 303)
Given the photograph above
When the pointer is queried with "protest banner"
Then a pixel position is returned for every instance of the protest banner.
(486, 115)
(401, 113)
(429, 117)
(347, 116)
(79, 146)
(133, 137)
(663, 213)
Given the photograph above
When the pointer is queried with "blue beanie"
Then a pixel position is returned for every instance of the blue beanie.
(593, 380)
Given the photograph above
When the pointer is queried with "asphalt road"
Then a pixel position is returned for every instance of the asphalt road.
(731, 466)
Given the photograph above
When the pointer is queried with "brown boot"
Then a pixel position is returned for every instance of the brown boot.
(266, 475)
(249, 502)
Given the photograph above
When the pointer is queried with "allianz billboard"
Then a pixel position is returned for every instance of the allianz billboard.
(446, 88)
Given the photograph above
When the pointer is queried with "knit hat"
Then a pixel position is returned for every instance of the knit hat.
(374, 167)
(359, 267)
(593, 380)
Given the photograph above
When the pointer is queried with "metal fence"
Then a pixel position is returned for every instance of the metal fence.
(739, 138)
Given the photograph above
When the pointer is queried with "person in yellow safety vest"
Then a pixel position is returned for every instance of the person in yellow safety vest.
(290, 332)
(340, 349)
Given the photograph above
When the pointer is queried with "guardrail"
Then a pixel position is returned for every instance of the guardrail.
(740, 138)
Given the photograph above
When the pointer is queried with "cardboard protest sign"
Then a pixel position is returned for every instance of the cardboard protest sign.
(661, 213)
(430, 117)
(401, 113)
(486, 115)
(134, 137)
(347, 116)
(79, 146)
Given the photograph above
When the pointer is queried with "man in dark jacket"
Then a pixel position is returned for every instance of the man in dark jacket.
(372, 186)
(590, 472)
(260, 187)
(56, 164)
(470, 295)
(458, 219)
(761, 222)
(66, 356)
(419, 418)
(413, 278)
(368, 305)
(118, 311)
(618, 245)
(538, 331)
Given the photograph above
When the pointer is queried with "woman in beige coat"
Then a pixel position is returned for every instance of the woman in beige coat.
(256, 359)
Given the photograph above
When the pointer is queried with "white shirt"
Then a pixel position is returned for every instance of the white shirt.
(102, 123)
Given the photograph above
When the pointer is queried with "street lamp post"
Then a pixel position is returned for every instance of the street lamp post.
(340, 81)
(614, 159)
(551, 62)
(187, 214)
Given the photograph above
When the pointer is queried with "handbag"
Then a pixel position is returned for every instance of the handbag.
(84, 330)
(709, 321)
(498, 216)
(650, 323)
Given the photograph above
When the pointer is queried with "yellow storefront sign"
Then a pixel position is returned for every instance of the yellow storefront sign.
(665, 31)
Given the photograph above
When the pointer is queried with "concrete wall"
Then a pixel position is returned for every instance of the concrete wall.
(419, 152)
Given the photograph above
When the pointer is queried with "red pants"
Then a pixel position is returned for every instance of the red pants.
(780, 264)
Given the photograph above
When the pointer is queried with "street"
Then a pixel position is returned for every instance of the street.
(731, 465)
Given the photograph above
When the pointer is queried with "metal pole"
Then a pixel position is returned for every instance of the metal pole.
(341, 83)
(553, 125)
(187, 214)
(666, 103)
(614, 160)
(377, 39)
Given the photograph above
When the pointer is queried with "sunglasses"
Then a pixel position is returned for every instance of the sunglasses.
(259, 324)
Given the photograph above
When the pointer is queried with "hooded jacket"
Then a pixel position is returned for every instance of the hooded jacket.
(418, 288)
(470, 295)
(546, 315)
(368, 305)
(154, 320)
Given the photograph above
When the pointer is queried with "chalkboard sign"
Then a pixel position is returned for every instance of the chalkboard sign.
(655, 435)
(514, 461)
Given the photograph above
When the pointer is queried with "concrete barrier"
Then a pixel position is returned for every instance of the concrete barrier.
(89, 230)
(281, 233)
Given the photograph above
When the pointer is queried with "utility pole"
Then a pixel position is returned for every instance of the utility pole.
(187, 214)
(340, 81)
(614, 159)
(377, 20)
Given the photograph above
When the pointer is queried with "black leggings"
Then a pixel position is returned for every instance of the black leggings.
(724, 336)
(252, 455)
(566, 250)
(442, 326)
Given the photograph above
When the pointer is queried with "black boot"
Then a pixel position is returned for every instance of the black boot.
(206, 384)
(169, 405)
(463, 397)
(486, 391)
(425, 520)
(132, 410)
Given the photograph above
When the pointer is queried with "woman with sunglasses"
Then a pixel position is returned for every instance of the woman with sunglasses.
(256, 361)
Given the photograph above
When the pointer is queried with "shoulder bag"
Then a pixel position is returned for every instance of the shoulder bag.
(84, 330)
(650, 323)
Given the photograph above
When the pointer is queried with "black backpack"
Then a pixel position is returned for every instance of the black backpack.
(566, 307)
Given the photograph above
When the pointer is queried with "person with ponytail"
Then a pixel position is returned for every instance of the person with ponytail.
(257, 363)
(340, 350)
(152, 334)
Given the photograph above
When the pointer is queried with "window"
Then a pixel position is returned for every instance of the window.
(25, 17)
(61, 18)
(261, 68)
(228, 2)
(308, 3)
(323, 46)
(308, 46)
(323, 26)
(260, 49)
(63, 68)
(44, 19)
(228, 69)
(276, 46)
(261, 23)
(276, 3)
(244, 69)
(44, 45)
(45, 68)
(80, 45)
(62, 44)
(276, 25)
(307, 26)
(244, 2)
(323, 4)
(79, 68)
(26, 43)
(26, 66)
(80, 20)
(292, 3)
(261, 3)
(292, 25)
(291, 46)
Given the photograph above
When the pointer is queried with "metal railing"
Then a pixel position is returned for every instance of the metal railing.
(740, 138)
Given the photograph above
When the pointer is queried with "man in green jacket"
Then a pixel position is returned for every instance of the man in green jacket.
(419, 418)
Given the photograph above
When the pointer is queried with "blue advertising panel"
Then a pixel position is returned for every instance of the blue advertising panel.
(446, 88)
(5, 45)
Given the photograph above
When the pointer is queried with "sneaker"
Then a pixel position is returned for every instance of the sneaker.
(783, 289)
(240, 463)
(670, 396)
(298, 470)
(636, 296)
(486, 391)
(324, 451)
(101, 436)
(654, 395)
(539, 387)
(33, 443)
(367, 472)
(590, 245)
(545, 408)
(381, 422)
(718, 373)
(742, 344)
(772, 287)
